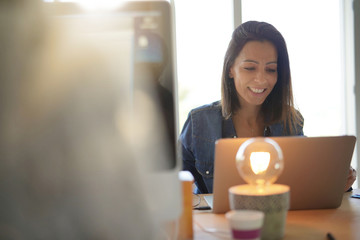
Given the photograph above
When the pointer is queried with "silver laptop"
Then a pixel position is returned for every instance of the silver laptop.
(315, 168)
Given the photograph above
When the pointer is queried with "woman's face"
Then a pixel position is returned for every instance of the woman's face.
(255, 72)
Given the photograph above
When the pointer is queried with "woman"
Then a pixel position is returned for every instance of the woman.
(256, 100)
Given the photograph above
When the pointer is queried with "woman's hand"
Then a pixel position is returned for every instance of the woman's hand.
(350, 179)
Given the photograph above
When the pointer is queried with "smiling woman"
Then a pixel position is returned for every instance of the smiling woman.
(255, 72)
(256, 100)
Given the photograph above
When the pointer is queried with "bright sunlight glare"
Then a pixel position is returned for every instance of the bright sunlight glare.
(91, 5)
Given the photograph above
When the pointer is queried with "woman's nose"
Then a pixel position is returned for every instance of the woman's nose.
(260, 77)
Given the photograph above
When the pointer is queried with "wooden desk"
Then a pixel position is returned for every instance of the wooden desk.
(343, 222)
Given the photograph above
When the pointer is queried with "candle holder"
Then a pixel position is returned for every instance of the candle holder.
(260, 162)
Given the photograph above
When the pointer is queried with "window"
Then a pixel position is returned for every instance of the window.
(203, 31)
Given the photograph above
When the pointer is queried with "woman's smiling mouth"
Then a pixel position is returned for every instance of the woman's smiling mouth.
(257, 90)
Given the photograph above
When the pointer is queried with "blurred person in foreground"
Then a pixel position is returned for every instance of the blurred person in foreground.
(66, 171)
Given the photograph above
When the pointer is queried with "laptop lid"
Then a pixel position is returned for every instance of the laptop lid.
(315, 168)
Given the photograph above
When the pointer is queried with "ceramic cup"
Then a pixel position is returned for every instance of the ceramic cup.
(245, 224)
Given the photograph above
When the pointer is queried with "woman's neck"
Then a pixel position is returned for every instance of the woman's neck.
(249, 114)
(249, 122)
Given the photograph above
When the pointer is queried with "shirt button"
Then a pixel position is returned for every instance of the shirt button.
(207, 172)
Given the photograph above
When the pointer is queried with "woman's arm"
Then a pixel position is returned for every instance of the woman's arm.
(187, 155)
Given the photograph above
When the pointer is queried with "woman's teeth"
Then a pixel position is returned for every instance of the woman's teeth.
(257, 90)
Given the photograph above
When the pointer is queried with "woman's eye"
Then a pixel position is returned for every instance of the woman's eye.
(249, 68)
(271, 70)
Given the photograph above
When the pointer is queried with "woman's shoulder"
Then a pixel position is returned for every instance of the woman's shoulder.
(214, 107)
(204, 123)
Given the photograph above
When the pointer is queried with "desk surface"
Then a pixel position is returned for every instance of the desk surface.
(343, 222)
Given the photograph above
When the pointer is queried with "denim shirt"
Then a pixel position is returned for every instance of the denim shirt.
(202, 128)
